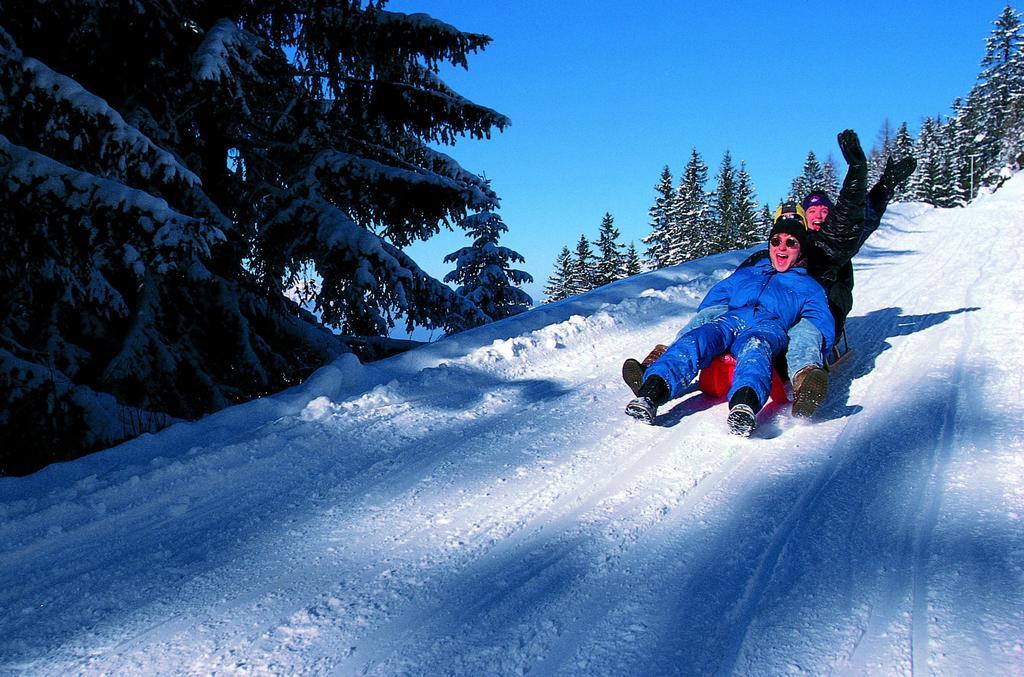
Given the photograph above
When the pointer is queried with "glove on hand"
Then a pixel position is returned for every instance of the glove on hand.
(896, 173)
(850, 145)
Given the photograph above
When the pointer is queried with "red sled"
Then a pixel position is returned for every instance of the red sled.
(716, 379)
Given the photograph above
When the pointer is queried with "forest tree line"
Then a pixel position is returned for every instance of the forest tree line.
(977, 146)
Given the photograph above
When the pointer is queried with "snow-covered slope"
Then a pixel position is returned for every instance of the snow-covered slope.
(482, 506)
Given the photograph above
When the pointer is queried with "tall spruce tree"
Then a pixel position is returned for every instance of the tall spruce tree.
(725, 220)
(581, 272)
(902, 147)
(609, 263)
(956, 155)
(631, 264)
(557, 287)
(1000, 96)
(662, 222)
(829, 177)
(484, 274)
(168, 170)
(927, 182)
(766, 220)
(811, 178)
(879, 152)
(694, 234)
(749, 225)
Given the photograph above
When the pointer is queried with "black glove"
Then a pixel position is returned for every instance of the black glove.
(896, 173)
(850, 145)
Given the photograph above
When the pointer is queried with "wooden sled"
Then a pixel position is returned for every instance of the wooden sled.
(838, 354)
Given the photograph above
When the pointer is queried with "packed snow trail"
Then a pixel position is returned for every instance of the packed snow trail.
(483, 506)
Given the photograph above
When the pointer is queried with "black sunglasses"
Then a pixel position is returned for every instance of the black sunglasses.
(791, 242)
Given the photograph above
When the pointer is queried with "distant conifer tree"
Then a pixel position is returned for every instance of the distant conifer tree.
(557, 287)
(484, 274)
(766, 220)
(581, 272)
(829, 177)
(879, 152)
(694, 230)
(749, 225)
(999, 99)
(725, 221)
(902, 147)
(926, 184)
(631, 263)
(609, 263)
(810, 178)
(661, 221)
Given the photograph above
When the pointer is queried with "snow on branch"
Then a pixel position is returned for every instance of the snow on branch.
(364, 277)
(388, 195)
(174, 235)
(220, 54)
(36, 85)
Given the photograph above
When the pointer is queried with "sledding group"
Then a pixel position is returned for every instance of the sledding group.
(785, 305)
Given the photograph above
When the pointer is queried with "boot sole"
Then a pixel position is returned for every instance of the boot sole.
(639, 412)
(633, 375)
(740, 424)
(812, 394)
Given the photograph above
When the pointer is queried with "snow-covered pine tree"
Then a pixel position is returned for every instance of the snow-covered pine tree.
(631, 262)
(949, 191)
(766, 220)
(661, 222)
(691, 213)
(484, 274)
(609, 263)
(810, 178)
(956, 154)
(725, 221)
(879, 152)
(581, 272)
(557, 288)
(829, 177)
(749, 226)
(902, 147)
(927, 181)
(1000, 97)
(169, 168)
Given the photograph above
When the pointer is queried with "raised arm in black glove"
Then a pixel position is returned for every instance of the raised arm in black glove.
(896, 173)
(840, 235)
(849, 144)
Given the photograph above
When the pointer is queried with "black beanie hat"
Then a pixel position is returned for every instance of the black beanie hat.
(791, 224)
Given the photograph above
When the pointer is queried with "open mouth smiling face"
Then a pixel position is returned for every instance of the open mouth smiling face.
(783, 251)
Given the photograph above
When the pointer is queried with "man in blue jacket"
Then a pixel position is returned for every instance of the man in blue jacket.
(763, 302)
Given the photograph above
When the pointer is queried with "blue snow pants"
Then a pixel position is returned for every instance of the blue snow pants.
(804, 347)
(753, 344)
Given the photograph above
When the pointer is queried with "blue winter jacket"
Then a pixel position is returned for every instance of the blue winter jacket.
(758, 293)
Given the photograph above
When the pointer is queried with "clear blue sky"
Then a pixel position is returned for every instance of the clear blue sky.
(603, 94)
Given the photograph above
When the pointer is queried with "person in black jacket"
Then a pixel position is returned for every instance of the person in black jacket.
(817, 206)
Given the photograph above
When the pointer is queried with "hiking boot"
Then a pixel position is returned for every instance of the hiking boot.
(742, 420)
(633, 371)
(633, 375)
(651, 395)
(642, 409)
(743, 407)
(810, 385)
